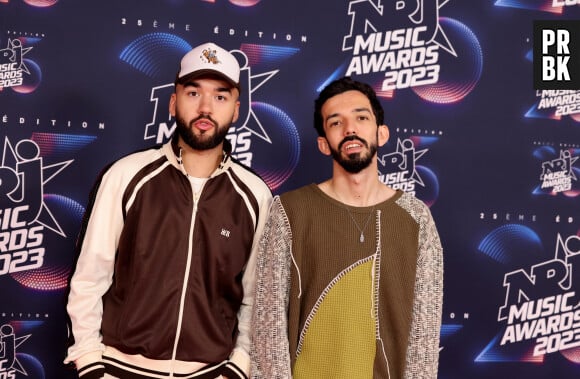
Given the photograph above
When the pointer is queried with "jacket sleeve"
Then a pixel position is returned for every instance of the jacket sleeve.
(238, 365)
(423, 351)
(270, 348)
(94, 271)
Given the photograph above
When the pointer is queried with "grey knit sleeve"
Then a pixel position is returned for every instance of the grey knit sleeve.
(269, 352)
(423, 350)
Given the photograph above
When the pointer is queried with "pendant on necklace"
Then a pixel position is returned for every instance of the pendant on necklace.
(362, 238)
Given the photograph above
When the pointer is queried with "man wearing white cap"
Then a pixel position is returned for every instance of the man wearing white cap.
(163, 286)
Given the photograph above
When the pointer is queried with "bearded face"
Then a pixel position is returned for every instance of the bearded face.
(204, 139)
(354, 162)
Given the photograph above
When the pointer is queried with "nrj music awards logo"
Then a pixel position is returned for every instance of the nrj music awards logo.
(401, 167)
(12, 66)
(558, 172)
(408, 44)
(402, 170)
(25, 217)
(542, 304)
(9, 363)
(558, 103)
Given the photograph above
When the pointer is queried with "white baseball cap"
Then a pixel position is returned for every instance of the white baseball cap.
(210, 58)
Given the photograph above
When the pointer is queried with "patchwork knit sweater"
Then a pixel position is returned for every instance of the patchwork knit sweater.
(330, 306)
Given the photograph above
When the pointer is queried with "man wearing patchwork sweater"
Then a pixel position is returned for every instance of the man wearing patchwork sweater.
(349, 271)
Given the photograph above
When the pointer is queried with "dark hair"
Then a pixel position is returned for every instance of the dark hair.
(336, 88)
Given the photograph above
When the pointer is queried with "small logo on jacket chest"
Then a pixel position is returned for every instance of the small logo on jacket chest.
(225, 233)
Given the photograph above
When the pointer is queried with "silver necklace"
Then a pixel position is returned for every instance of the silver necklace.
(361, 230)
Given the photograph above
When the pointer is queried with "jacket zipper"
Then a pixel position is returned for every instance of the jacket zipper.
(196, 197)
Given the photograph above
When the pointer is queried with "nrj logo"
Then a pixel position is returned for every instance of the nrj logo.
(402, 41)
(24, 215)
(9, 364)
(558, 174)
(542, 306)
(12, 64)
(400, 167)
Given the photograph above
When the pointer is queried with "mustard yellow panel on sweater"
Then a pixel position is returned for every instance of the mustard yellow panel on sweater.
(339, 342)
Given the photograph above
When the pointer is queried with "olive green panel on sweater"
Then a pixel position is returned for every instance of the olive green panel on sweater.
(341, 333)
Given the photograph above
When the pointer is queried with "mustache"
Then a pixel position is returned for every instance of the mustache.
(352, 138)
(203, 117)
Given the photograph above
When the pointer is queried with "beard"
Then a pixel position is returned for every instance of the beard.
(356, 162)
(203, 141)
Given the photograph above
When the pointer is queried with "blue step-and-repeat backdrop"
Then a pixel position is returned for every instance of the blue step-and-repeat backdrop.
(83, 83)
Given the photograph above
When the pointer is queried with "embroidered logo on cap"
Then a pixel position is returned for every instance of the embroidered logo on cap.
(211, 56)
